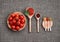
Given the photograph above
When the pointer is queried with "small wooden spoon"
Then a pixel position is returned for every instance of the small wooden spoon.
(37, 17)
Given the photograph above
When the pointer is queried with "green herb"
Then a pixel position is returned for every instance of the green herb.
(26, 12)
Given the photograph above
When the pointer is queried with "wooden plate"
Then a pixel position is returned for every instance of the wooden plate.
(14, 25)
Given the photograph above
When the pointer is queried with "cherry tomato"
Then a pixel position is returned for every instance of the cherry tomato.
(13, 15)
(17, 27)
(10, 22)
(22, 21)
(31, 11)
(13, 26)
(18, 23)
(16, 17)
(19, 20)
(14, 21)
(10, 18)
(21, 25)
(14, 29)
(21, 16)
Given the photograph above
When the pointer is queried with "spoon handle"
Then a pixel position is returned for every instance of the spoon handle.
(37, 25)
(29, 24)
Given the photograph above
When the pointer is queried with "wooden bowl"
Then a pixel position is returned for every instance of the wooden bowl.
(19, 13)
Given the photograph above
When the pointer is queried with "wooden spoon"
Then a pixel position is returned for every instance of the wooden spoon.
(37, 17)
(30, 14)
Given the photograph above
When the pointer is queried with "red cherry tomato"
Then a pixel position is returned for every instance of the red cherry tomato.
(17, 27)
(21, 16)
(19, 20)
(13, 15)
(14, 21)
(16, 17)
(10, 22)
(31, 11)
(18, 23)
(22, 21)
(10, 18)
(21, 25)
(13, 26)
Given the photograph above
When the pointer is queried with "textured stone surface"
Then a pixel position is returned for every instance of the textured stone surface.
(49, 8)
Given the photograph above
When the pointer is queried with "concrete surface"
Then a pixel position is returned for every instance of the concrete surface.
(49, 8)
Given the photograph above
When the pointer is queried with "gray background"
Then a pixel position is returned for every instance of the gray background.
(49, 8)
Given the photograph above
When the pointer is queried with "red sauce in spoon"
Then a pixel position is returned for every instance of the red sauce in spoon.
(38, 15)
